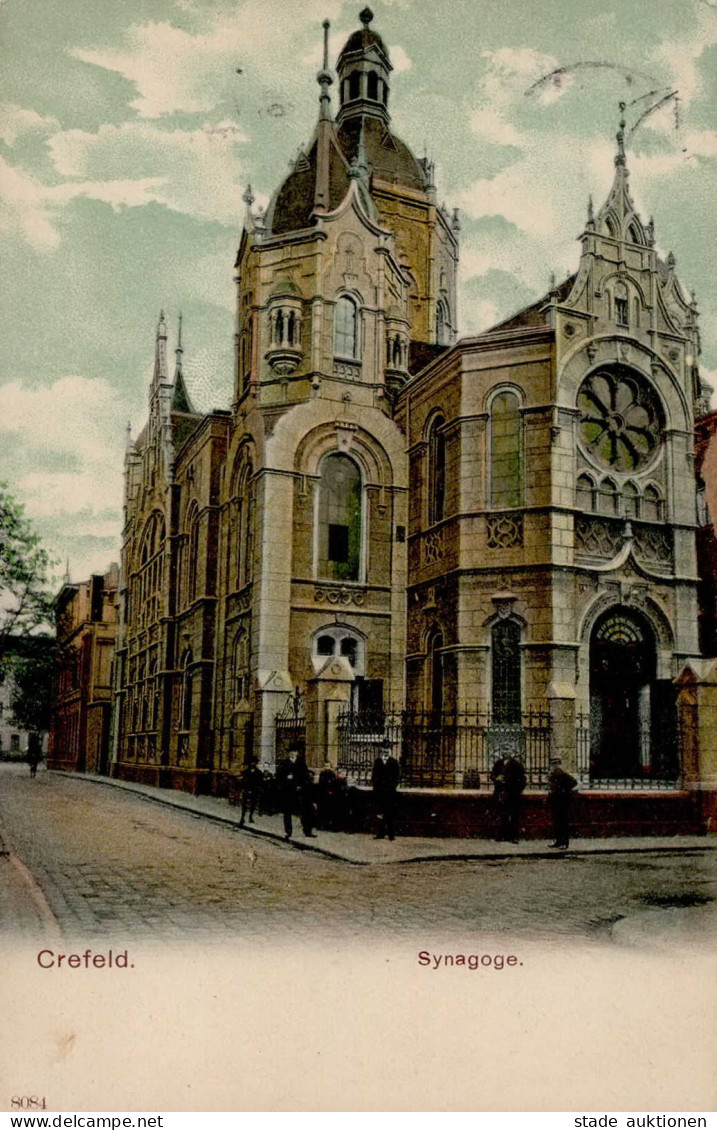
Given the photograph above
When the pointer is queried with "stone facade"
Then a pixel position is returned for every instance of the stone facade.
(86, 623)
(386, 518)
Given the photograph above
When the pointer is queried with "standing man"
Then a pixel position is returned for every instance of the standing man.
(34, 753)
(384, 780)
(509, 790)
(560, 789)
(304, 780)
(286, 780)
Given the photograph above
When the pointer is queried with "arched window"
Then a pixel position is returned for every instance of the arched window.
(621, 304)
(242, 527)
(506, 451)
(631, 500)
(434, 686)
(443, 329)
(187, 690)
(346, 328)
(241, 666)
(505, 656)
(608, 497)
(703, 514)
(436, 471)
(354, 85)
(372, 86)
(339, 540)
(585, 493)
(652, 505)
(193, 556)
(342, 641)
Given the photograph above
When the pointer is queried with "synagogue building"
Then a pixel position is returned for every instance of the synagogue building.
(466, 546)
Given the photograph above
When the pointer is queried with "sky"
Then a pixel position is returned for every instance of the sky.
(130, 131)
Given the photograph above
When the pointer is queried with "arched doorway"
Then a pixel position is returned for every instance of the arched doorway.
(632, 716)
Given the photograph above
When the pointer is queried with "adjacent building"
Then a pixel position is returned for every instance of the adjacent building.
(86, 624)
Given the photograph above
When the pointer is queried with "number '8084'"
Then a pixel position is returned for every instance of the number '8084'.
(28, 1102)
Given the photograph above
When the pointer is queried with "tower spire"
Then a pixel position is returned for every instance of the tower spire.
(324, 130)
(160, 351)
(178, 351)
(620, 137)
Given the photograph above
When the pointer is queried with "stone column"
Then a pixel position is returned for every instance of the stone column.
(563, 737)
(328, 692)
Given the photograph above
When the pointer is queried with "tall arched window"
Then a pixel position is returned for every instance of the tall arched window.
(506, 451)
(346, 328)
(339, 540)
(436, 471)
(187, 690)
(372, 86)
(443, 329)
(193, 555)
(241, 666)
(434, 686)
(505, 649)
(354, 85)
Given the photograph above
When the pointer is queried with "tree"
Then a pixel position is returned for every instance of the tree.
(34, 663)
(25, 599)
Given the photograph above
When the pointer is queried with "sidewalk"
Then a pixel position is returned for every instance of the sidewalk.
(361, 849)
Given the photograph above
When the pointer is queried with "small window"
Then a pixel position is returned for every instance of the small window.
(443, 330)
(652, 509)
(354, 85)
(621, 311)
(325, 645)
(631, 500)
(436, 471)
(348, 649)
(372, 86)
(608, 497)
(585, 493)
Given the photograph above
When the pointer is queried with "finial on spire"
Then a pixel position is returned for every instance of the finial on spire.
(366, 16)
(179, 335)
(67, 572)
(591, 214)
(248, 196)
(620, 158)
(161, 325)
(325, 79)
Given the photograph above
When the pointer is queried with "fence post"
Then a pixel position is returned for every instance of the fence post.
(328, 691)
(563, 734)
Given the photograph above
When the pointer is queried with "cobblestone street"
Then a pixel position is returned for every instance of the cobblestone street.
(91, 862)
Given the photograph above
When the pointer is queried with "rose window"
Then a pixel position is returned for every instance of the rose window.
(620, 418)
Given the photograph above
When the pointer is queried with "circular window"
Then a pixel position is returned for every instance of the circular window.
(620, 418)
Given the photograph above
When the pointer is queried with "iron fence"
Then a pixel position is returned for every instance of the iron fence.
(290, 728)
(447, 750)
(647, 759)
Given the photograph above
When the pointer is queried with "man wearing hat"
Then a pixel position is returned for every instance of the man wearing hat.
(560, 790)
(384, 780)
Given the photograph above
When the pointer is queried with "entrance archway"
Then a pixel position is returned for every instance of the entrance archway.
(632, 716)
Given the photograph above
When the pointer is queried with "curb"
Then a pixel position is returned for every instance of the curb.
(453, 857)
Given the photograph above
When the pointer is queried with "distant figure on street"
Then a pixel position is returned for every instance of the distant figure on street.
(327, 797)
(34, 753)
(560, 790)
(250, 783)
(508, 784)
(384, 780)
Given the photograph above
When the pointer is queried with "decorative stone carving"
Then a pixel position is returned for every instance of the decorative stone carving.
(598, 537)
(433, 546)
(342, 595)
(504, 531)
(653, 545)
(350, 369)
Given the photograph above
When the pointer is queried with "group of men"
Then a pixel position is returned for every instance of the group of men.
(296, 794)
(509, 781)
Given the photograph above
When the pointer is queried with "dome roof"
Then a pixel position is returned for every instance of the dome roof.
(364, 38)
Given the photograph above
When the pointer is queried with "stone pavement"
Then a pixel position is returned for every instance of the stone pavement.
(359, 848)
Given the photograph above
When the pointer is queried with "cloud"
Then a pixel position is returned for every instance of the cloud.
(400, 60)
(681, 55)
(78, 420)
(15, 122)
(173, 69)
(195, 171)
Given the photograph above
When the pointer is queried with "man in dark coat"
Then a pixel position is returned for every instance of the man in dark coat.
(286, 785)
(304, 779)
(384, 781)
(509, 783)
(560, 789)
(250, 783)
